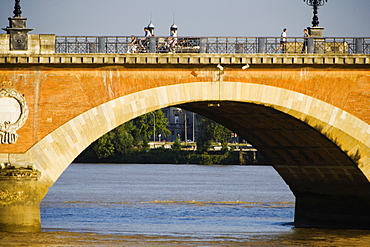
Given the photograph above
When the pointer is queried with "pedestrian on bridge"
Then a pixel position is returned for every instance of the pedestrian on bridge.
(305, 41)
(172, 41)
(144, 42)
(147, 33)
(132, 46)
(282, 41)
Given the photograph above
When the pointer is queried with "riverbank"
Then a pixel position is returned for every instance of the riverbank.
(170, 156)
(61, 238)
(298, 237)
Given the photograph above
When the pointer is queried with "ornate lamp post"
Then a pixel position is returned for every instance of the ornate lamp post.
(315, 4)
(17, 9)
(17, 29)
(315, 30)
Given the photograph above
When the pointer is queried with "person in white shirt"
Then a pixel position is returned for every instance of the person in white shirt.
(144, 42)
(147, 33)
(282, 41)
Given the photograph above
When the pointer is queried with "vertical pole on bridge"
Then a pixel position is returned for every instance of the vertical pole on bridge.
(152, 44)
(261, 45)
(202, 45)
(101, 45)
(359, 45)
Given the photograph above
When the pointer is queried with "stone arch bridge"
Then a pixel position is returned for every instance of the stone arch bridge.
(307, 113)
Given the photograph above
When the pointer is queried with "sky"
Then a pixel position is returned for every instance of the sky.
(235, 18)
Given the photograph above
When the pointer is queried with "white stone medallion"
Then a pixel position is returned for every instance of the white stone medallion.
(13, 114)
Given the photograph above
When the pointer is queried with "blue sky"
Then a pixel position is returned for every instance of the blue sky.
(340, 18)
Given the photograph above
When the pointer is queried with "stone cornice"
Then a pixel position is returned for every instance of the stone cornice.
(186, 59)
(12, 172)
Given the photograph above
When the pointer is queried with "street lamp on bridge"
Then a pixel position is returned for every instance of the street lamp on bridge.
(315, 4)
(17, 9)
(315, 30)
(17, 29)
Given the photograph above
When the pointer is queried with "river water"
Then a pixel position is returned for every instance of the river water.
(174, 205)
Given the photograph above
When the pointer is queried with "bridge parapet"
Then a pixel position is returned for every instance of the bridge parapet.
(220, 45)
(50, 44)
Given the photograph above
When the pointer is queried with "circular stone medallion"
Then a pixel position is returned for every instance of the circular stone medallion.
(13, 114)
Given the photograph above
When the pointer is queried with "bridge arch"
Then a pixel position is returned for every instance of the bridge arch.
(63, 145)
(328, 185)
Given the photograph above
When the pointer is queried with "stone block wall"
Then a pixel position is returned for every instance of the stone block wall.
(37, 44)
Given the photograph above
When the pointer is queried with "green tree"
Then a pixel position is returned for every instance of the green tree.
(146, 124)
(135, 133)
(104, 147)
(177, 144)
(210, 131)
(205, 136)
(161, 123)
(123, 138)
(141, 132)
(222, 134)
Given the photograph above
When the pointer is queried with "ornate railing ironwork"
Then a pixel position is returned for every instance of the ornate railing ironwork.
(225, 45)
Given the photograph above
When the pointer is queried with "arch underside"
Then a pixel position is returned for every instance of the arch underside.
(324, 179)
(300, 153)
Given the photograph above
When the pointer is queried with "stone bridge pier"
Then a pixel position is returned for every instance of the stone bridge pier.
(20, 202)
(308, 114)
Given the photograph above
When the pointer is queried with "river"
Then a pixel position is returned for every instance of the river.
(174, 205)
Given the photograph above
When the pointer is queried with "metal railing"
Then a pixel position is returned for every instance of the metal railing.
(224, 45)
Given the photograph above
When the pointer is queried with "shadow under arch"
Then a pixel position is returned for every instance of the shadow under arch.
(328, 185)
(309, 142)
